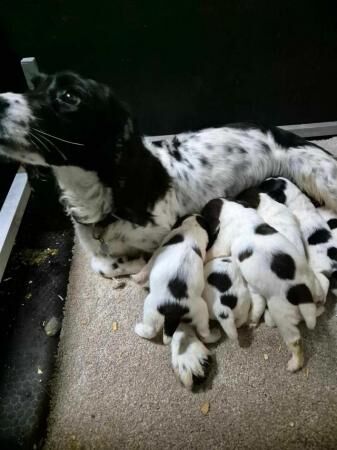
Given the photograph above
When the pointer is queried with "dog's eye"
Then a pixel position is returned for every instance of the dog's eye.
(69, 97)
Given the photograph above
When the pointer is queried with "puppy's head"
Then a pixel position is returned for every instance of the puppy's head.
(65, 120)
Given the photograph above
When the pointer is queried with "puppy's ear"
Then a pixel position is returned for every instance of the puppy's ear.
(179, 221)
(211, 213)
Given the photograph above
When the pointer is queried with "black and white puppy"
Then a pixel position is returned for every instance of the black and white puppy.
(227, 295)
(320, 243)
(269, 263)
(176, 273)
(123, 191)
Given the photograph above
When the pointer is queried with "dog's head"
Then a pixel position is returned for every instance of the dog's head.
(65, 120)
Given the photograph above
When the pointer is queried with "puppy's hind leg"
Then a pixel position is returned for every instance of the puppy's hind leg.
(201, 322)
(152, 320)
(257, 307)
(287, 325)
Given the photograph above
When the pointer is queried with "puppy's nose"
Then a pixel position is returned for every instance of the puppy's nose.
(4, 104)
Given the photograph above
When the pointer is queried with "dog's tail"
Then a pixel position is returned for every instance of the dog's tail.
(173, 313)
(314, 171)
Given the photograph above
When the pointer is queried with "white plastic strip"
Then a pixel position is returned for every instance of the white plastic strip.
(10, 216)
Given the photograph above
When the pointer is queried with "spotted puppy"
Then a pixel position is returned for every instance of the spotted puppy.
(285, 222)
(271, 265)
(331, 219)
(321, 246)
(176, 283)
(226, 294)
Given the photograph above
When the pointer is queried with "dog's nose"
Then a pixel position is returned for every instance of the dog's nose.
(4, 104)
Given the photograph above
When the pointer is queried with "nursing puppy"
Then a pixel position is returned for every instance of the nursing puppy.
(227, 295)
(285, 222)
(271, 265)
(331, 219)
(176, 274)
(321, 246)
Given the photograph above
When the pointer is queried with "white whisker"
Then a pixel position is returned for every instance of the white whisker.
(55, 137)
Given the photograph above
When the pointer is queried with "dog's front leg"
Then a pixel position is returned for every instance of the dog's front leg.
(112, 267)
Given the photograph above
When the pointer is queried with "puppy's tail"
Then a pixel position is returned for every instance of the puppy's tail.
(226, 320)
(172, 312)
(308, 311)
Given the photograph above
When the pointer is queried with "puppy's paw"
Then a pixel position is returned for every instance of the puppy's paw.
(295, 364)
(145, 331)
(190, 358)
(214, 336)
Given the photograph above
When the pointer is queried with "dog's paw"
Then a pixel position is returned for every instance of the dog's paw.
(190, 358)
(145, 331)
(110, 267)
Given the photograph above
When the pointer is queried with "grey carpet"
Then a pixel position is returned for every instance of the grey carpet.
(115, 390)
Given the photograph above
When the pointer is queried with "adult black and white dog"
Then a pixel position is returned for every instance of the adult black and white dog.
(124, 192)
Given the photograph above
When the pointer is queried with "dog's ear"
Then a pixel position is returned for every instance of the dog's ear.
(120, 118)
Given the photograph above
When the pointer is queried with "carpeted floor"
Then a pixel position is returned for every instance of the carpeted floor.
(115, 390)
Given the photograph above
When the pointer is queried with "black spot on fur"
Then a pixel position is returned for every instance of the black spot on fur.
(176, 239)
(333, 280)
(241, 150)
(223, 315)
(284, 138)
(115, 266)
(245, 254)
(275, 188)
(299, 294)
(197, 251)
(204, 161)
(283, 266)
(265, 229)
(332, 224)
(251, 197)
(186, 320)
(229, 300)
(173, 314)
(199, 379)
(320, 236)
(176, 154)
(332, 253)
(120, 260)
(180, 220)
(158, 143)
(227, 260)
(211, 212)
(265, 147)
(178, 288)
(176, 143)
(219, 280)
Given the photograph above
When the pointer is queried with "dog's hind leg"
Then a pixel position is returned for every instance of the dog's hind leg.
(153, 321)
(286, 324)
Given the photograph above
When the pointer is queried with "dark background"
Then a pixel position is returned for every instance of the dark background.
(187, 64)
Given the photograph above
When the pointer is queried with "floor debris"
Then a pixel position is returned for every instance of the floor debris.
(204, 408)
(114, 326)
(266, 357)
(52, 327)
